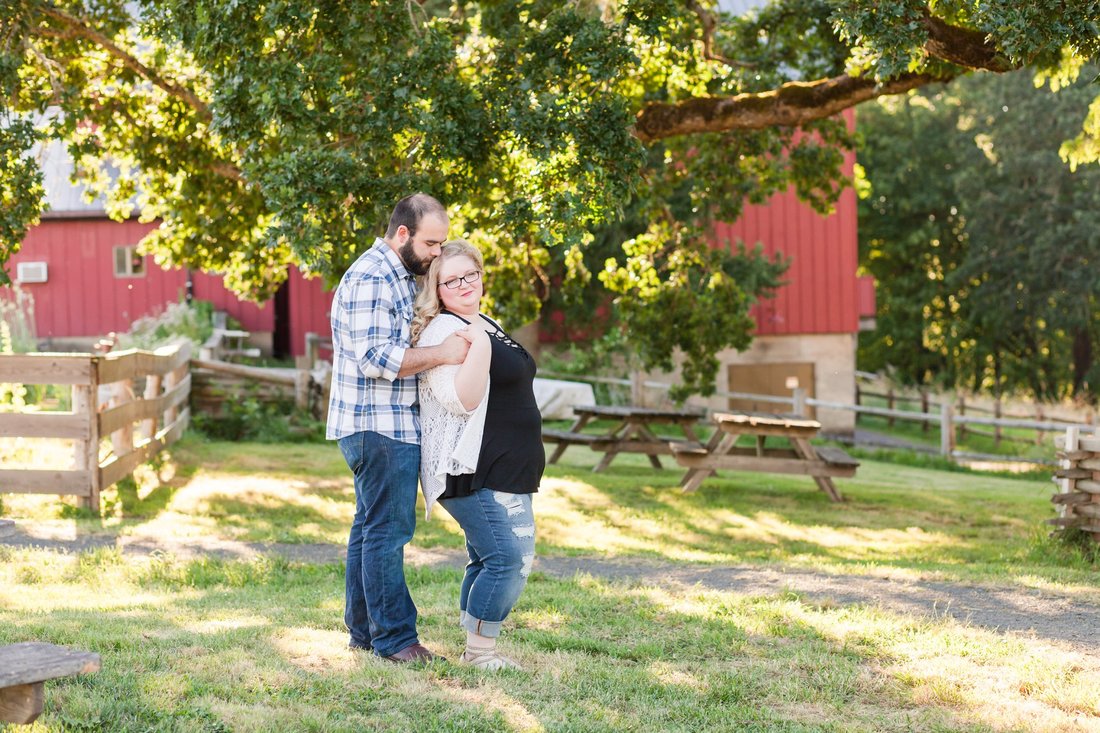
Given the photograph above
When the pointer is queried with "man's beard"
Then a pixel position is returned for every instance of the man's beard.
(413, 264)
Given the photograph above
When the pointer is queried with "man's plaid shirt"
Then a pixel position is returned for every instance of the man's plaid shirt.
(371, 313)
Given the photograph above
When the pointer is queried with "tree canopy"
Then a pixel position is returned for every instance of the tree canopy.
(983, 240)
(267, 132)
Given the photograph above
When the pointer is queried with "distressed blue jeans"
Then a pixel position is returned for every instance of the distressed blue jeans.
(500, 540)
(378, 610)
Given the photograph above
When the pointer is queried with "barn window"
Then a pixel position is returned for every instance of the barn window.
(128, 263)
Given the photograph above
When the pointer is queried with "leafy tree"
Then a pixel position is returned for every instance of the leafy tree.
(988, 276)
(264, 132)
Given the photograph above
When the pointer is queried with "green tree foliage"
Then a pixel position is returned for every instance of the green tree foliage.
(267, 132)
(983, 240)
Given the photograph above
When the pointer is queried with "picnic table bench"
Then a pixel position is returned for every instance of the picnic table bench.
(25, 667)
(632, 433)
(722, 451)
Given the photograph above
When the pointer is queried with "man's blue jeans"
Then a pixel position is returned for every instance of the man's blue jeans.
(378, 609)
(500, 540)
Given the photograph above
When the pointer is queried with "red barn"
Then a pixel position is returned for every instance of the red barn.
(87, 279)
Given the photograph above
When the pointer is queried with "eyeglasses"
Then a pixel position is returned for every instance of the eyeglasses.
(469, 278)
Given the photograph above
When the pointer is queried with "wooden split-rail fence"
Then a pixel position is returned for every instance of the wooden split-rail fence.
(1078, 479)
(105, 402)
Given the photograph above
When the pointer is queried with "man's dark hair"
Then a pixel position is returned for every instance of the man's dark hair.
(410, 210)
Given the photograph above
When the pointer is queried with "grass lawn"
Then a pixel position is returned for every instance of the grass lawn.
(209, 645)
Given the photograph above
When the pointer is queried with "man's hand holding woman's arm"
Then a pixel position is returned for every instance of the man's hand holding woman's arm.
(453, 350)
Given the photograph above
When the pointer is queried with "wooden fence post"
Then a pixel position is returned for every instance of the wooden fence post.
(122, 440)
(961, 428)
(890, 405)
(997, 433)
(86, 456)
(152, 391)
(799, 401)
(637, 388)
(1040, 418)
(947, 430)
(924, 409)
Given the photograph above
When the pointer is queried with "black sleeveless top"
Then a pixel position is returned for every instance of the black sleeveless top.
(512, 458)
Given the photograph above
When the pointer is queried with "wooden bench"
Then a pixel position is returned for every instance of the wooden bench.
(722, 451)
(25, 667)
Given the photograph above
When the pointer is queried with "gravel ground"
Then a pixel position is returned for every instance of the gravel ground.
(1068, 622)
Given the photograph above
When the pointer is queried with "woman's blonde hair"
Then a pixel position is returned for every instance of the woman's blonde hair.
(428, 305)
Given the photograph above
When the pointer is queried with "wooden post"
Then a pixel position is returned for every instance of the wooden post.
(997, 428)
(858, 396)
(122, 440)
(152, 391)
(924, 410)
(962, 411)
(301, 389)
(890, 405)
(947, 430)
(171, 379)
(799, 401)
(1039, 416)
(1072, 443)
(86, 455)
(637, 388)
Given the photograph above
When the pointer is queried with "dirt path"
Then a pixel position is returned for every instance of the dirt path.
(1069, 622)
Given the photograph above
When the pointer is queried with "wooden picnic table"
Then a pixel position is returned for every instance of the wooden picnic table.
(634, 432)
(25, 667)
(801, 457)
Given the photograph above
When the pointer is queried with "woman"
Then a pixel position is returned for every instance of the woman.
(481, 446)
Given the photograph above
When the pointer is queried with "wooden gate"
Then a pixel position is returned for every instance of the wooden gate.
(104, 403)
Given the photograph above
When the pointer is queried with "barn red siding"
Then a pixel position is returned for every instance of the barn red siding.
(82, 296)
(821, 293)
(310, 306)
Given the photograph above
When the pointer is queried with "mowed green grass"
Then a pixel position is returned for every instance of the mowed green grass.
(211, 645)
(896, 519)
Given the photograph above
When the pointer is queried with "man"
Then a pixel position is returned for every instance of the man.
(373, 413)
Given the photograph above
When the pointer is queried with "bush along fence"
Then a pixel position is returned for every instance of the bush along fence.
(1078, 480)
(105, 402)
(952, 425)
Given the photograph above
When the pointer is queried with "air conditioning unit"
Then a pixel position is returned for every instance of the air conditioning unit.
(31, 272)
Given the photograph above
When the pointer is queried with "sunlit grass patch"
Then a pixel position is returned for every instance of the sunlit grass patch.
(260, 645)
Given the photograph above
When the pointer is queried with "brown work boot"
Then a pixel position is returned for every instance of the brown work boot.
(414, 654)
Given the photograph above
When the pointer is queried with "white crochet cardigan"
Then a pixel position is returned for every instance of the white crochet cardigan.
(450, 435)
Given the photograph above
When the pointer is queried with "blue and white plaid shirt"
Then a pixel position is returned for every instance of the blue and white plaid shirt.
(371, 312)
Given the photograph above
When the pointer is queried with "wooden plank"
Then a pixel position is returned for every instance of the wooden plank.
(1090, 443)
(34, 481)
(64, 425)
(1092, 487)
(35, 661)
(1073, 473)
(120, 467)
(22, 704)
(1075, 455)
(144, 409)
(275, 376)
(47, 368)
(687, 446)
(835, 456)
(659, 447)
(1071, 498)
(766, 420)
(764, 465)
(767, 431)
(1090, 509)
(133, 363)
(564, 436)
(623, 411)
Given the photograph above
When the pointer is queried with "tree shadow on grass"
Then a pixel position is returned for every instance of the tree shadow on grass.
(215, 645)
